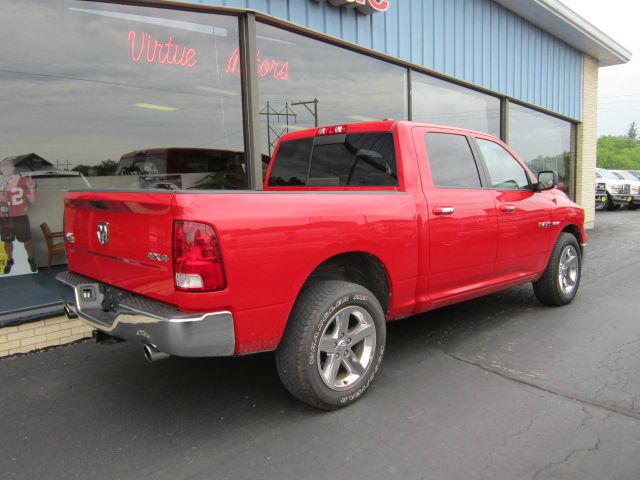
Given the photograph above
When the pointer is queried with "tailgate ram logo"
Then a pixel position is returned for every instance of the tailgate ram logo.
(103, 233)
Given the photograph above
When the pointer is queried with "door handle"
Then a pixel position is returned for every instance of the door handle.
(507, 208)
(443, 210)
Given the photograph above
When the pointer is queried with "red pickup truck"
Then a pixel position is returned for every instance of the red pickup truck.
(357, 225)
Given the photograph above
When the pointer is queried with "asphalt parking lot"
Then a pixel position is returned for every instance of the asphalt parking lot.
(497, 388)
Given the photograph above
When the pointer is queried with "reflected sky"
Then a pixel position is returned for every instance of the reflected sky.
(533, 134)
(543, 142)
(349, 86)
(437, 101)
(69, 86)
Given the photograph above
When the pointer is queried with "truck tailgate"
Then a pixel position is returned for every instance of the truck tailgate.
(122, 239)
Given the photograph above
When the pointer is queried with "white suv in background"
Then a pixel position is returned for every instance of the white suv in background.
(635, 187)
(612, 190)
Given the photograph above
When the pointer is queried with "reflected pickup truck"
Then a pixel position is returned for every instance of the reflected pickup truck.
(358, 225)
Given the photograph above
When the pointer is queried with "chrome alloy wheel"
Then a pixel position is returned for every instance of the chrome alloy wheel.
(346, 348)
(568, 270)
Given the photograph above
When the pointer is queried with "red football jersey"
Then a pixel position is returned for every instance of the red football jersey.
(15, 195)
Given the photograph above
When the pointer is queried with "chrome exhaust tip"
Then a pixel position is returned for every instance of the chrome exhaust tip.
(152, 354)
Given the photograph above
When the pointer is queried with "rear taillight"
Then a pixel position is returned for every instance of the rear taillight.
(197, 263)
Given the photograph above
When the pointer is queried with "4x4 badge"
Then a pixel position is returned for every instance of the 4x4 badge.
(103, 233)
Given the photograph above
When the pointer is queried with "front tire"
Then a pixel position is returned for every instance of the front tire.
(333, 344)
(600, 206)
(560, 281)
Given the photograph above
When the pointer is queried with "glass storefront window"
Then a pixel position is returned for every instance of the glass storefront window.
(336, 85)
(437, 101)
(88, 85)
(543, 142)
(100, 95)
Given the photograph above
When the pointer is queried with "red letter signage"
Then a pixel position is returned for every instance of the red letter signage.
(153, 51)
(364, 6)
(266, 67)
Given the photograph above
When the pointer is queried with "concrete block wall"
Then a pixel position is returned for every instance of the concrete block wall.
(41, 334)
(587, 142)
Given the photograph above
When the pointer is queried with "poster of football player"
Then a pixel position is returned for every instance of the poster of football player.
(17, 194)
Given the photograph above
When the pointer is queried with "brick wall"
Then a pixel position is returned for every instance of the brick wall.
(44, 333)
(586, 142)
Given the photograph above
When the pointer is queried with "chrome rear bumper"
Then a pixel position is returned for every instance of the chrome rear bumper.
(140, 319)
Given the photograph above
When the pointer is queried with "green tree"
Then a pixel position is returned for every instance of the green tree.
(106, 167)
(619, 152)
(83, 169)
(633, 131)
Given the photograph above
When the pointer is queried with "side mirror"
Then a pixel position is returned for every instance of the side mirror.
(547, 179)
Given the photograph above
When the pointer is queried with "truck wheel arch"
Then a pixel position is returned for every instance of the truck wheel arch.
(361, 268)
(571, 229)
(575, 231)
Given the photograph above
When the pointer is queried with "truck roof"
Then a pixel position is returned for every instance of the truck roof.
(374, 126)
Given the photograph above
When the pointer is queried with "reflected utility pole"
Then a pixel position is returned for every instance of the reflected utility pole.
(313, 112)
(269, 111)
(273, 134)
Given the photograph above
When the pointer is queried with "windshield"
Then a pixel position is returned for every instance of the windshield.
(142, 165)
(627, 175)
(610, 175)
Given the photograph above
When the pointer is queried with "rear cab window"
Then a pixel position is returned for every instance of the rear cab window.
(358, 160)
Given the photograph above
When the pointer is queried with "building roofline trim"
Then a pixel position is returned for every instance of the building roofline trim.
(565, 24)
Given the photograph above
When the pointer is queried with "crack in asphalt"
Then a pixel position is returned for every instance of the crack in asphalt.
(567, 457)
(566, 396)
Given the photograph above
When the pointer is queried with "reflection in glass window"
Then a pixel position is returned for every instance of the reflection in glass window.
(451, 161)
(437, 101)
(505, 173)
(305, 82)
(90, 89)
(543, 142)
(137, 91)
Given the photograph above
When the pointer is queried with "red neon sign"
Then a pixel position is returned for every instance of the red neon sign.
(153, 51)
(266, 67)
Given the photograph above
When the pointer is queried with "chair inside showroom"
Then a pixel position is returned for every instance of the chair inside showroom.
(53, 248)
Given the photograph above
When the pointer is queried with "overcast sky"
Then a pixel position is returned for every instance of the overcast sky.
(619, 86)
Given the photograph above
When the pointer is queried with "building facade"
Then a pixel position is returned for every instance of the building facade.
(185, 95)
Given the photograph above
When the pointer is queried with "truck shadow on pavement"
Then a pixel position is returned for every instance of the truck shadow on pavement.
(204, 392)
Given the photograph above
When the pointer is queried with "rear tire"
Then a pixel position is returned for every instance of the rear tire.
(560, 281)
(333, 344)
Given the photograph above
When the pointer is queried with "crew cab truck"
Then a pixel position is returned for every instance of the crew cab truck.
(357, 225)
(612, 191)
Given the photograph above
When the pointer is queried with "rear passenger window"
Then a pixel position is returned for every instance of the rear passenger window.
(358, 159)
(505, 173)
(451, 161)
